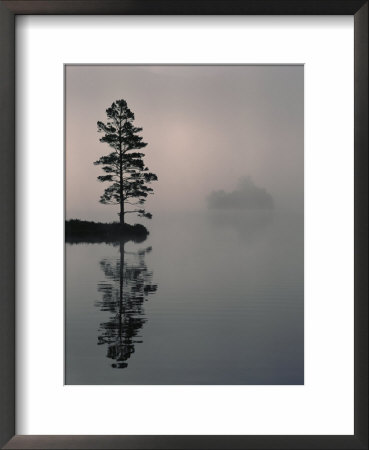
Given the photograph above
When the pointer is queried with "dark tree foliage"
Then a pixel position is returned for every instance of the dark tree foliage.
(126, 173)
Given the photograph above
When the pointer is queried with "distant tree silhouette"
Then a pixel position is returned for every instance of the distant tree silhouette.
(124, 166)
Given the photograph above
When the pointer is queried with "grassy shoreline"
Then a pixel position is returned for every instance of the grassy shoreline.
(85, 231)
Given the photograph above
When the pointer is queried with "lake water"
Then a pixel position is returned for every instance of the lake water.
(208, 298)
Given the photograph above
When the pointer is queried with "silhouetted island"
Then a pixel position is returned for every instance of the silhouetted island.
(84, 231)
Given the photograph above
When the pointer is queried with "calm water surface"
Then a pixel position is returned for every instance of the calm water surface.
(212, 298)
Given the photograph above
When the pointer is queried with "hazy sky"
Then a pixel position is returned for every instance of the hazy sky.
(206, 127)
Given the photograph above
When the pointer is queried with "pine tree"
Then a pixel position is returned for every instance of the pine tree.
(124, 166)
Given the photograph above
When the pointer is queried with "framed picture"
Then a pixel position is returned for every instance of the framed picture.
(190, 246)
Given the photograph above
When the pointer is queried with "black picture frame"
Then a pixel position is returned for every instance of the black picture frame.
(8, 11)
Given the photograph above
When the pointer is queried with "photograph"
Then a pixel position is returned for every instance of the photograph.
(184, 224)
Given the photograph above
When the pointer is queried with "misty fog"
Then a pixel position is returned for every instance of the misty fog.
(206, 128)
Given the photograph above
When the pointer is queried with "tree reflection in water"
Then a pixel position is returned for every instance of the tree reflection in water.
(128, 285)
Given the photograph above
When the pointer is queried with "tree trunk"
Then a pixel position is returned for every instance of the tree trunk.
(121, 199)
(121, 214)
